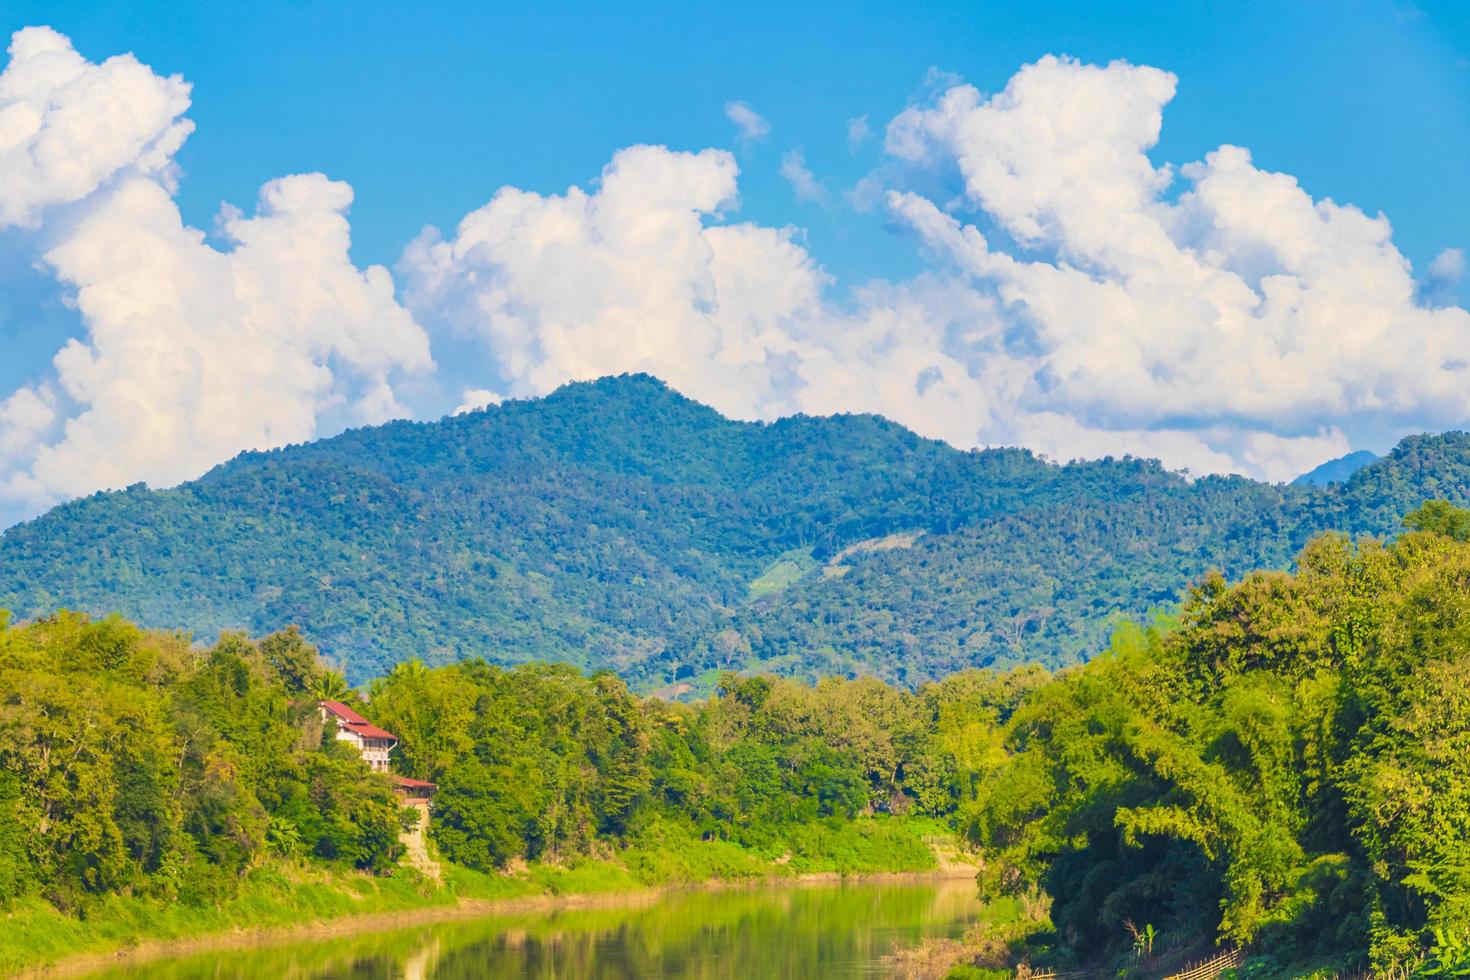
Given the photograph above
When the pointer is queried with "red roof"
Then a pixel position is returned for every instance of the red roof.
(370, 731)
(412, 783)
(345, 713)
(356, 722)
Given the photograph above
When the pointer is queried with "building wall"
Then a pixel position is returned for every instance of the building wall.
(374, 750)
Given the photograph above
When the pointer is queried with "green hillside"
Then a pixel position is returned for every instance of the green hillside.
(616, 523)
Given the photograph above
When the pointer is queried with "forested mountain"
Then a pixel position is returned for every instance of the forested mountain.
(1336, 470)
(618, 524)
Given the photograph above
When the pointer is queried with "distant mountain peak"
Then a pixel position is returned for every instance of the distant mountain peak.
(635, 386)
(620, 384)
(1336, 470)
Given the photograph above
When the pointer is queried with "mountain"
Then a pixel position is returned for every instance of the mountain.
(618, 524)
(1335, 470)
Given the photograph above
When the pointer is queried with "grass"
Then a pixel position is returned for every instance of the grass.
(280, 895)
(32, 932)
(786, 570)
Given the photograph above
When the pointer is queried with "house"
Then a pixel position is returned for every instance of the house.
(413, 791)
(373, 742)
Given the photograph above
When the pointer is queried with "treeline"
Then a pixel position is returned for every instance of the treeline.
(1287, 769)
(133, 762)
(540, 761)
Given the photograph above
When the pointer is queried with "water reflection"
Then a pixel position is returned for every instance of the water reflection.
(811, 931)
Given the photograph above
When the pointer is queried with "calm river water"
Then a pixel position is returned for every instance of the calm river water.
(805, 931)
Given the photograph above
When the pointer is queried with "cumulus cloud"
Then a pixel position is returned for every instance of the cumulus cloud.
(859, 131)
(475, 399)
(25, 417)
(1242, 313)
(640, 276)
(188, 354)
(750, 124)
(1448, 266)
(627, 278)
(801, 178)
(1443, 281)
(68, 126)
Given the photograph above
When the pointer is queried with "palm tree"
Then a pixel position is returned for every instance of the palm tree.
(412, 671)
(331, 685)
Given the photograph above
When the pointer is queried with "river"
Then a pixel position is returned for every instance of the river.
(827, 930)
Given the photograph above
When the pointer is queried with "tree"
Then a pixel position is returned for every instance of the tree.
(331, 685)
(294, 660)
(1440, 517)
(481, 815)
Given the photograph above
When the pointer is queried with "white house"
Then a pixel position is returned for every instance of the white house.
(373, 742)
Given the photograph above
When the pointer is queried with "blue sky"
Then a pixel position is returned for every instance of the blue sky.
(427, 110)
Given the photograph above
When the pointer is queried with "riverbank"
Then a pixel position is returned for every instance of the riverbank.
(282, 902)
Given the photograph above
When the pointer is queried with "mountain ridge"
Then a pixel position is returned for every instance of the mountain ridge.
(1336, 470)
(618, 524)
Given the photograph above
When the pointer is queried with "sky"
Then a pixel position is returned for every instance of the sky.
(1228, 236)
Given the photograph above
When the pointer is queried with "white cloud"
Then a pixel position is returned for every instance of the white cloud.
(190, 354)
(68, 126)
(801, 178)
(750, 124)
(1448, 266)
(24, 417)
(859, 131)
(475, 399)
(1440, 286)
(629, 278)
(193, 354)
(1244, 312)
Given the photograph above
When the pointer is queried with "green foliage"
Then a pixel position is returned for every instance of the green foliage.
(1288, 768)
(1448, 957)
(1440, 517)
(1284, 765)
(618, 525)
(541, 762)
(131, 762)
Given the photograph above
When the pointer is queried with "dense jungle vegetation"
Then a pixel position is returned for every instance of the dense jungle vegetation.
(616, 524)
(1285, 766)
